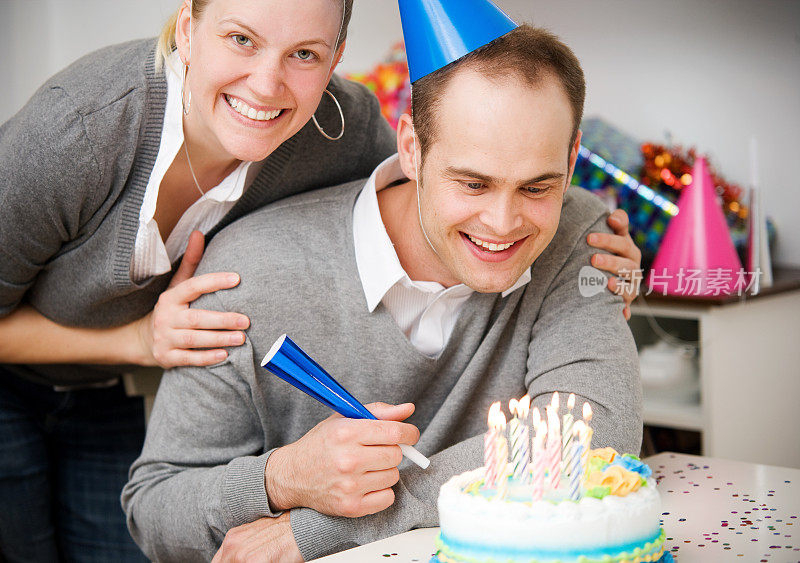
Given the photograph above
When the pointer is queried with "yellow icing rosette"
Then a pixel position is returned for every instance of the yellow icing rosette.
(606, 454)
(618, 479)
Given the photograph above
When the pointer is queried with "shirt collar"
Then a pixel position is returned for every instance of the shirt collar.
(378, 265)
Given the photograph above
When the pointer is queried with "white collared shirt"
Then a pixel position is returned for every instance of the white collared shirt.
(151, 256)
(425, 311)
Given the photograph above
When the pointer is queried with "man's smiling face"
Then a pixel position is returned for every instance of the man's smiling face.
(494, 177)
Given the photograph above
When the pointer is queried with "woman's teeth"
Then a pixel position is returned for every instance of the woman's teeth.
(492, 247)
(252, 113)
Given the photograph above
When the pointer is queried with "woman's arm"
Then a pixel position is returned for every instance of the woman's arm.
(171, 335)
(28, 337)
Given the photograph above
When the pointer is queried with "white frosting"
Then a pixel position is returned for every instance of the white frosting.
(589, 524)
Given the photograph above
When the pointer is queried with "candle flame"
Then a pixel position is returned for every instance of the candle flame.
(571, 401)
(500, 421)
(513, 406)
(578, 429)
(524, 405)
(587, 412)
(495, 408)
(497, 419)
(537, 417)
(554, 401)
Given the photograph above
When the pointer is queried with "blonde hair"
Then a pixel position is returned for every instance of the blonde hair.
(167, 43)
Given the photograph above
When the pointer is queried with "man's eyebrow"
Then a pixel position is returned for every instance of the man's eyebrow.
(544, 178)
(255, 34)
(459, 171)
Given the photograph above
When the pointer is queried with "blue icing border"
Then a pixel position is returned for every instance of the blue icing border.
(666, 558)
(482, 551)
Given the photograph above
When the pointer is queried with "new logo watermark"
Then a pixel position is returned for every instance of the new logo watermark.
(694, 282)
(591, 281)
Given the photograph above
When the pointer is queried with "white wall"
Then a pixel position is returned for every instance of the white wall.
(39, 37)
(711, 72)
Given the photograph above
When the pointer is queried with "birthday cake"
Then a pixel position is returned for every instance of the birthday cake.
(581, 506)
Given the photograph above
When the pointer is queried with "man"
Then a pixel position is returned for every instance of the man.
(448, 280)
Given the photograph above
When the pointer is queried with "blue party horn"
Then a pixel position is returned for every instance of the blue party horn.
(289, 362)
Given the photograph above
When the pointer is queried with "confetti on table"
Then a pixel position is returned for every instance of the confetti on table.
(757, 525)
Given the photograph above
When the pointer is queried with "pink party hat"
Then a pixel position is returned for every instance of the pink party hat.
(697, 257)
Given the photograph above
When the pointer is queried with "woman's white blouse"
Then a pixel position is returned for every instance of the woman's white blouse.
(151, 256)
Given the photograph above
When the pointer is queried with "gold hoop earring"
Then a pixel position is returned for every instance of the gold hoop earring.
(341, 116)
(186, 103)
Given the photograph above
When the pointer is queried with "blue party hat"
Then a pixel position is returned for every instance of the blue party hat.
(438, 32)
(290, 362)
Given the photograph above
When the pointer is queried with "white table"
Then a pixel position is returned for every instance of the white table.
(714, 510)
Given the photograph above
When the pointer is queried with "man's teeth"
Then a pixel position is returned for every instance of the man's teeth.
(490, 245)
(252, 113)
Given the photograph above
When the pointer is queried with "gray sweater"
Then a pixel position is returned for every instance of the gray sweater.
(74, 165)
(212, 429)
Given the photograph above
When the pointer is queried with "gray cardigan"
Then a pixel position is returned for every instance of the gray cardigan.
(212, 429)
(74, 165)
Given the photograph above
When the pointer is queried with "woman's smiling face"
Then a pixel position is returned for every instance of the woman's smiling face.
(257, 70)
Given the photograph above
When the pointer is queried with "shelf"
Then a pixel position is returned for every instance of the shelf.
(673, 414)
(669, 311)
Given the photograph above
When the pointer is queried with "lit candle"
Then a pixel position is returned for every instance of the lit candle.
(490, 447)
(566, 432)
(553, 448)
(514, 427)
(519, 436)
(587, 418)
(502, 454)
(536, 418)
(586, 440)
(554, 402)
(539, 460)
(576, 461)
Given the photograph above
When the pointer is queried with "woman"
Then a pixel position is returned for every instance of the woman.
(104, 176)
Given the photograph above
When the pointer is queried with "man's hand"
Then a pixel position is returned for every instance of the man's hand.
(342, 466)
(262, 541)
(626, 264)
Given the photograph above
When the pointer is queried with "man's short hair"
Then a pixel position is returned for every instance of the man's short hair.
(530, 53)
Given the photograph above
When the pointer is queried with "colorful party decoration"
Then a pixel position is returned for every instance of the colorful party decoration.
(390, 83)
